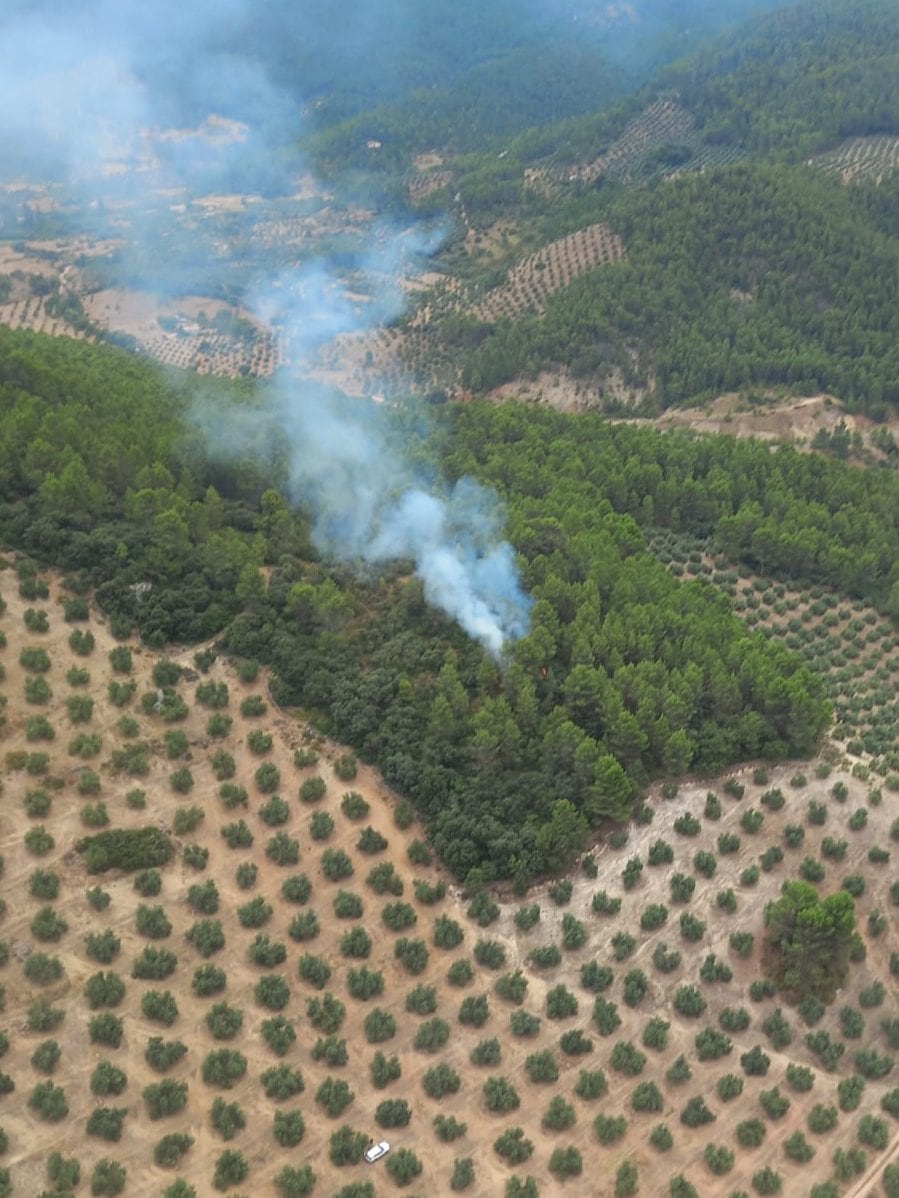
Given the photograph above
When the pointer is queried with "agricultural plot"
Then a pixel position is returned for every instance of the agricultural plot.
(853, 649)
(298, 978)
(532, 280)
(873, 158)
(32, 314)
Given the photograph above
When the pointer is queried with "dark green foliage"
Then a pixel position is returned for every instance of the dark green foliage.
(655, 1034)
(500, 1095)
(486, 1052)
(403, 1166)
(162, 1055)
(104, 990)
(755, 1062)
(160, 1006)
(689, 1002)
(356, 943)
(384, 1070)
(108, 1177)
(223, 1068)
(334, 1096)
(171, 1148)
(106, 1029)
(774, 1104)
(678, 1072)
(288, 1128)
(751, 1132)
(364, 983)
(224, 1021)
(281, 1081)
(42, 970)
(278, 1034)
(523, 1023)
(314, 970)
(231, 1169)
(809, 939)
(107, 1079)
(565, 1162)
(237, 835)
(106, 1122)
(591, 1084)
(482, 909)
(382, 879)
(513, 1146)
(605, 1014)
(604, 904)
(460, 973)
(661, 1138)
(48, 1102)
(227, 1118)
(272, 991)
(546, 957)
(608, 1129)
(152, 922)
(128, 849)
(623, 944)
(432, 1035)
(665, 960)
(46, 1056)
(728, 1087)
(696, 1113)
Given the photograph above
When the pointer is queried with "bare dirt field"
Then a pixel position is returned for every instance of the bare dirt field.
(620, 1048)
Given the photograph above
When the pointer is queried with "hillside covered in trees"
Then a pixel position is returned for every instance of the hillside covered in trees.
(626, 674)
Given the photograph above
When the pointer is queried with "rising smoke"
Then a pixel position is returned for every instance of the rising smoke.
(82, 85)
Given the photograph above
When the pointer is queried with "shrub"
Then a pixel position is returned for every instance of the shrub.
(384, 1070)
(334, 1096)
(42, 970)
(678, 1072)
(162, 1055)
(500, 1095)
(482, 909)
(224, 1021)
(486, 1052)
(281, 1082)
(314, 970)
(104, 990)
(106, 1122)
(106, 1079)
(46, 1056)
(696, 1113)
(432, 1035)
(522, 1023)
(231, 1169)
(108, 1177)
(223, 1068)
(661, 1139)
(278, 1034)
(513, 1146)
(272, 991)
(364, 984)
(546, 957)
(460, 972)
(609, 1129)
(591, 1084)
(170, 1149)
(48, 1102)
(422, 1000)
(209, 980)
(542, 1066)
(774, 1104)
(154, 964)
(565, 1162)
(729, 1087)
(750, 1133)
(604, 904)
(527, 917)
(403, 1166)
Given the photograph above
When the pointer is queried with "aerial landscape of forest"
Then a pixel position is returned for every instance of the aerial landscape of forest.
(449, 599)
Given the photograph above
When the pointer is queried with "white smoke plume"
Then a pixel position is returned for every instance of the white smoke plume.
(85, 84)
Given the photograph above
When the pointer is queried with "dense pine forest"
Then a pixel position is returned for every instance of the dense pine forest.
(626, 674)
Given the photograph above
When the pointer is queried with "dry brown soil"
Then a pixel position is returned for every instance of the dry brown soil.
(30, 1141)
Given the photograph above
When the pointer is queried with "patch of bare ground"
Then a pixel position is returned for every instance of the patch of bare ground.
(565, 918)
(794, 420)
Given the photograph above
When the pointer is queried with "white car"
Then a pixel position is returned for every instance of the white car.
(375, 1151)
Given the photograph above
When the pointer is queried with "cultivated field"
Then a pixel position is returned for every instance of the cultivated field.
(874, 158)
(301, 966)
(532, 280)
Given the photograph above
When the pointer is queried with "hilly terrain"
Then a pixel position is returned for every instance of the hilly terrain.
(449, 600)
